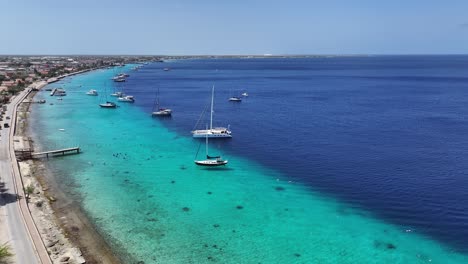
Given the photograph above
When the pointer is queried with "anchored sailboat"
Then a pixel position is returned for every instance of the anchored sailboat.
(107, 104)
(212, 132)
(159, 111)
(211, 161)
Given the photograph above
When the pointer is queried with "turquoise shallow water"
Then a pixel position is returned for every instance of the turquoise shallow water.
(137, 182)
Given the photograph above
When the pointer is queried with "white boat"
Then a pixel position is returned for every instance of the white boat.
(92, 93)
(119, 79)
(210, 161)
(245, 94)
(118, 94)
(162, 112)
(235, 99)
(159, 110)
(108, 105)
(127, 98)
(212, 132)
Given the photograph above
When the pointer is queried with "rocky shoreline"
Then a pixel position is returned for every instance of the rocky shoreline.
(65, 230)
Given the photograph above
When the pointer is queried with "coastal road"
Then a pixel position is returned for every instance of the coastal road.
(18, 235)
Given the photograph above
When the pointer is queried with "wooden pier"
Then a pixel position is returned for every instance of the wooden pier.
(26, 153)
(75, 150)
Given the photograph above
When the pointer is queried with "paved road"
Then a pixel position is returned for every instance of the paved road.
(19, 238)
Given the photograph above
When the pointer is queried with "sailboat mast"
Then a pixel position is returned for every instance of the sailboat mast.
(206, 145)
(158, 99)
(211, 117)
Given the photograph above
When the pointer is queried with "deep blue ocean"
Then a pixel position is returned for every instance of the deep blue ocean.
(384, 135)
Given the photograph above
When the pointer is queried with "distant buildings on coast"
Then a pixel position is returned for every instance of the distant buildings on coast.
(18, 72)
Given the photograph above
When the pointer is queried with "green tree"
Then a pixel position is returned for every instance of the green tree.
(5, 253)
(29, 190)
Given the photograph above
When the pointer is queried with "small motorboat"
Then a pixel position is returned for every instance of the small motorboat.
(235, 99)
(162, 112)
(127, 98)
(245, 94)
(108, 105)
(92, 93)
(118, 94)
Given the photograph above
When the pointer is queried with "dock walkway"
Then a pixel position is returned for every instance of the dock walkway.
(74, 150)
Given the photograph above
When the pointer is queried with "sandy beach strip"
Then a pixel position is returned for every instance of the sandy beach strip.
(67, 234)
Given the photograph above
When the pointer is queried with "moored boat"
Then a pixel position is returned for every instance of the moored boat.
(235, 99)
(160, 110)
(92, 93)
(118, 94)
(210, 161)
(212, 132)
(108, 105)
(127, 98)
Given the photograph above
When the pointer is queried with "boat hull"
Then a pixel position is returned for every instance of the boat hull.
(212, 136)
(108, 105)
(126, 99)
(235, 99)
(217, 132)
(211, 163)
(159, 113)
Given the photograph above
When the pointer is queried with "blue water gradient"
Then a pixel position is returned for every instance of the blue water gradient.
(332, 160)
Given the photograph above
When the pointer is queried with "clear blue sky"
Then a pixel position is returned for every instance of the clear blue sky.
(176, 27)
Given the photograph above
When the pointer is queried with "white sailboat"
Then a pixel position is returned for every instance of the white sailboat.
(117, 93)
(159, 111)
(212, 132)
(107, 104)
(210, 161)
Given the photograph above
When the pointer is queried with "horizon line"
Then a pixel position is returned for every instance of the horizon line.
(245, 55)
